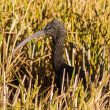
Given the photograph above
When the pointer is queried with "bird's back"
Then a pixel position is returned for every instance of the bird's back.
(64, 72)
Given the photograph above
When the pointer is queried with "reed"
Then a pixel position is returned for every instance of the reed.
(26, 79)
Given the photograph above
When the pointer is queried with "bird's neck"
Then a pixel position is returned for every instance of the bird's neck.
(57, 57)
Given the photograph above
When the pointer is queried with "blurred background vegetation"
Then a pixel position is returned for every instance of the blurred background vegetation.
(26, 79)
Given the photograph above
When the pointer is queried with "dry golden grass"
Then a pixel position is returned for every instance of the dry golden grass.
(26, 79)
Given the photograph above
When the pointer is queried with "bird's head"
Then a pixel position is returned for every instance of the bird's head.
(55, 29)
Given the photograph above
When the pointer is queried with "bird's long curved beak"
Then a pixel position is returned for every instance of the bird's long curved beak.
(33, 36)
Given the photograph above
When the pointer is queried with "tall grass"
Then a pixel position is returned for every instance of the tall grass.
(26, 80)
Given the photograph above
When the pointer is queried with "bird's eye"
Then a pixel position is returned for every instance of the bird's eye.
(48, 27)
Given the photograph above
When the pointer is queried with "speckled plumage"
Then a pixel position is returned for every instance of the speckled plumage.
(56, 30)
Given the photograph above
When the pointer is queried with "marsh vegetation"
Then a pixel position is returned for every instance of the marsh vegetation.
(26, 79)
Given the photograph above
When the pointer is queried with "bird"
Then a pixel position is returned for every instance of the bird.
(56, 30)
